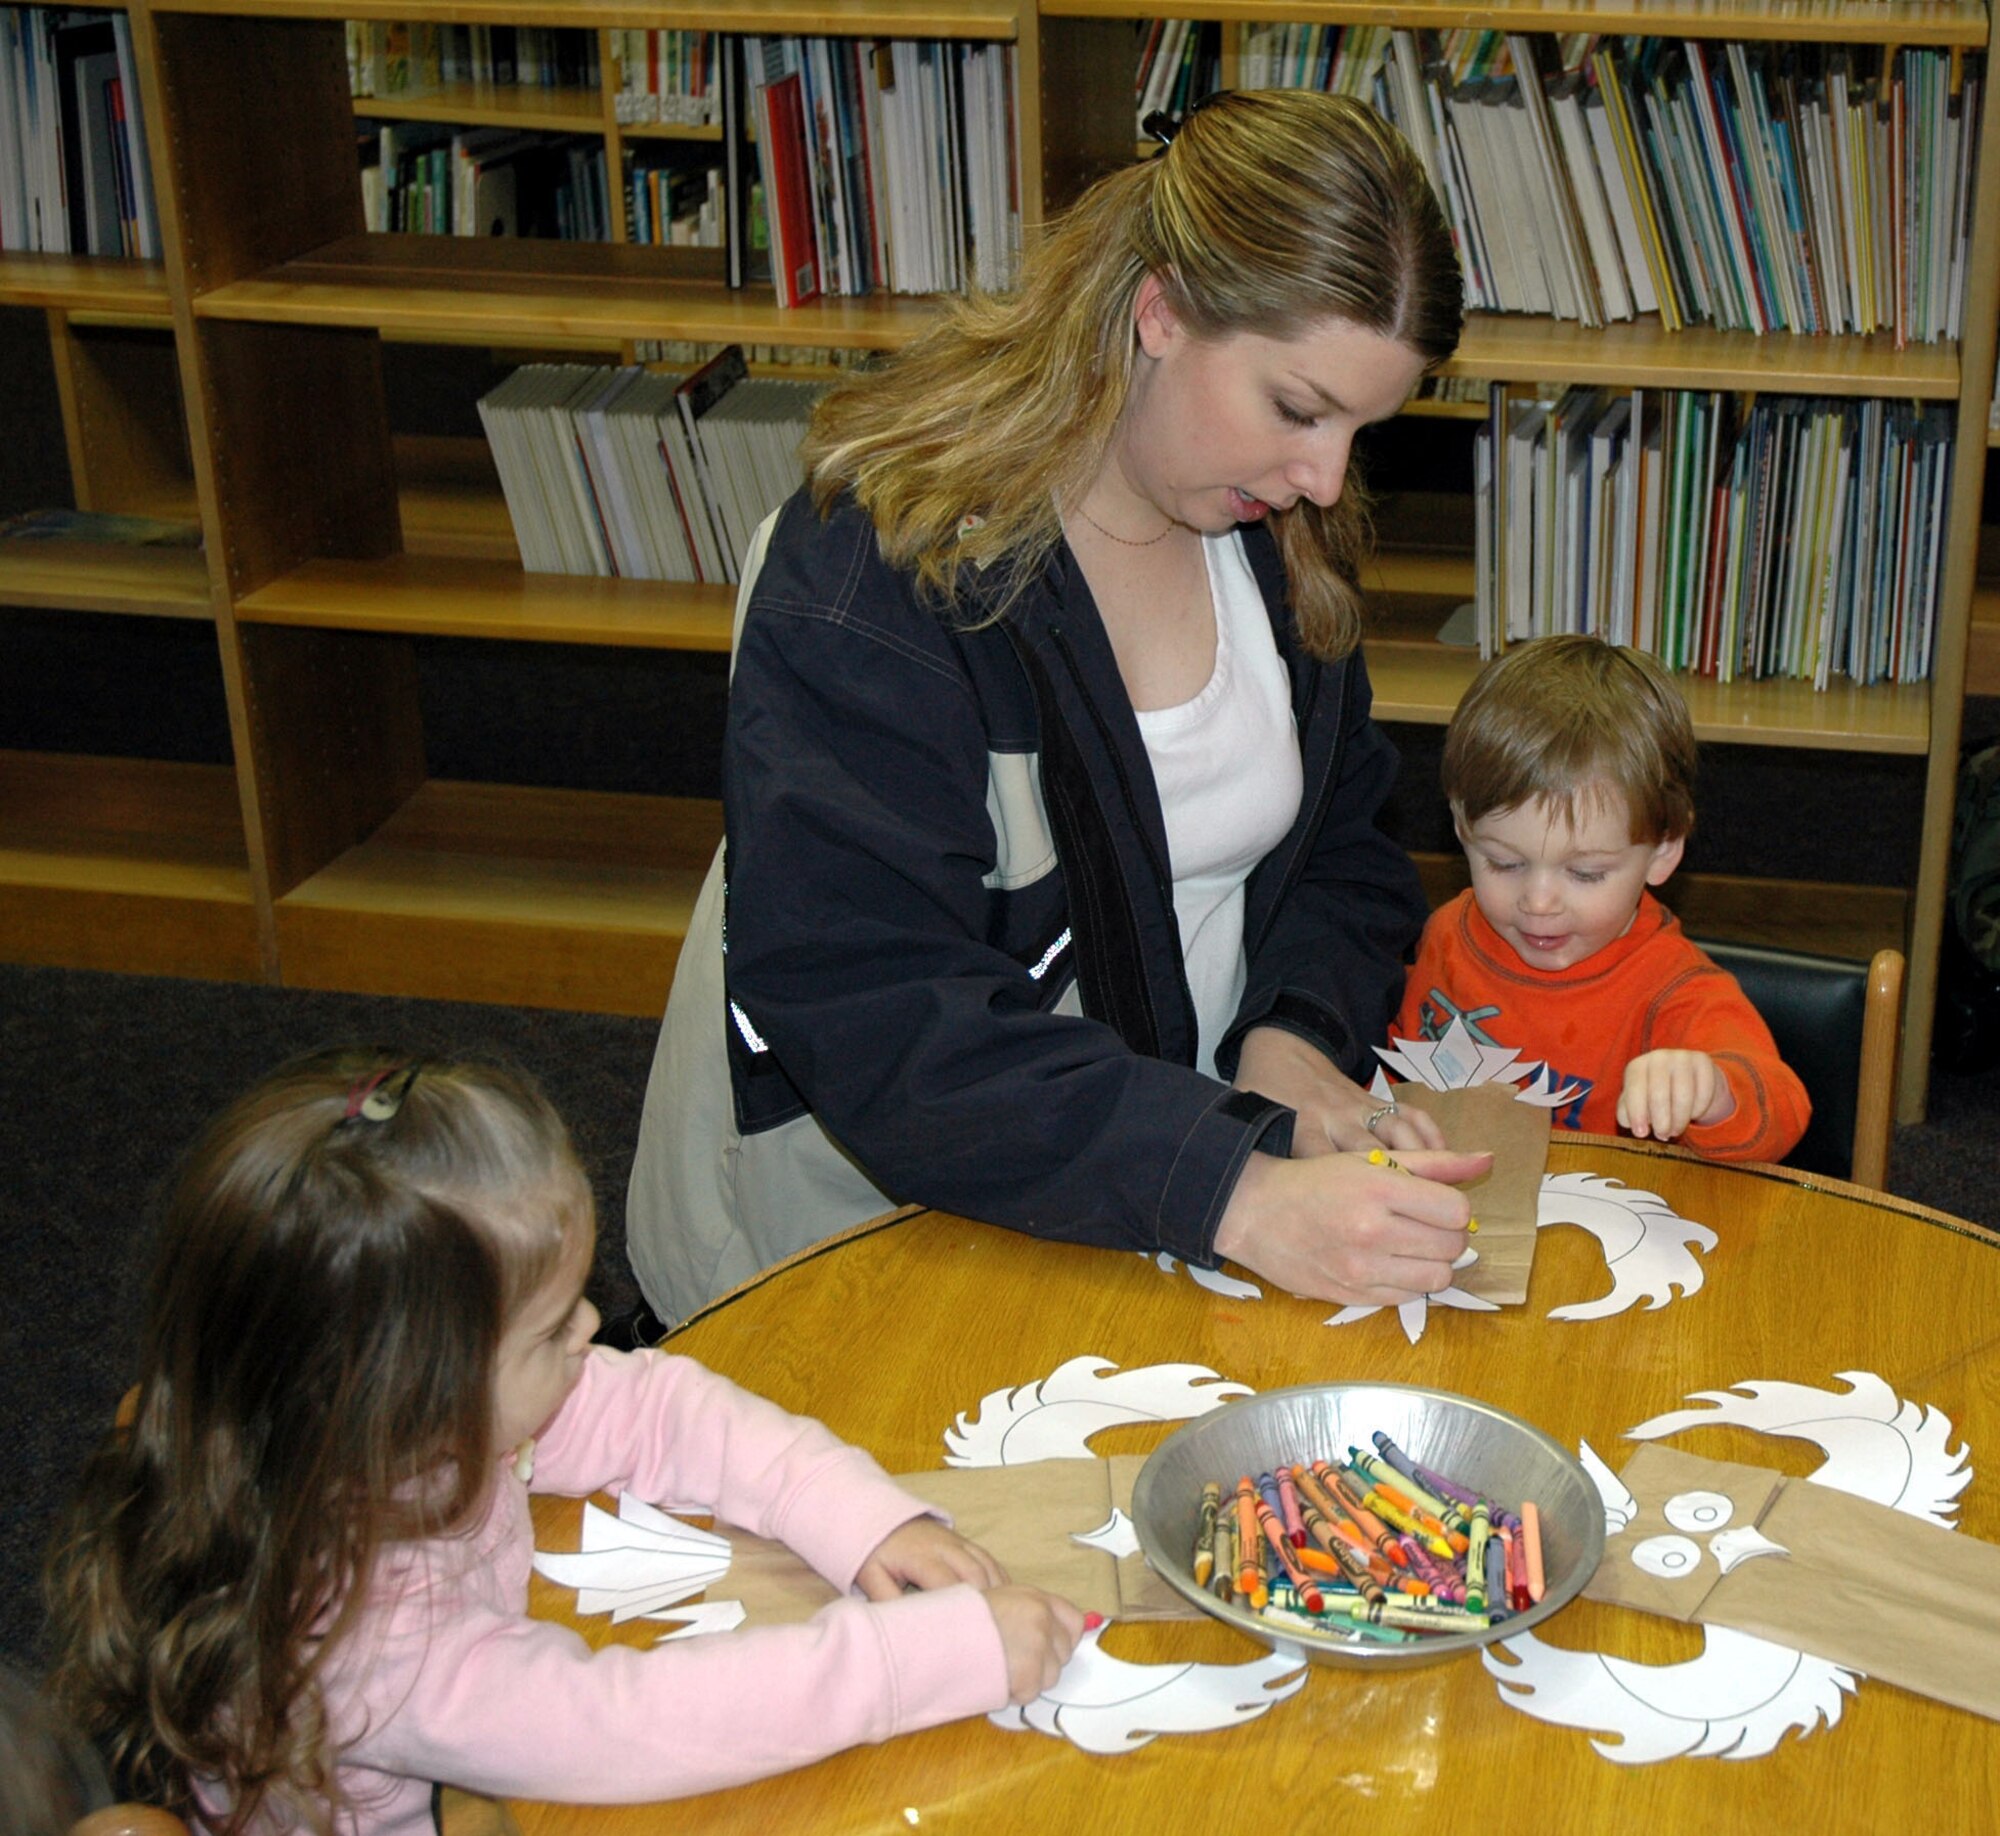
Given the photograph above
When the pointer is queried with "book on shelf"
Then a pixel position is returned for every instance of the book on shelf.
(644, 474)
(1764, 187)
(668, 77)
(886, 166)
(429, 178)
(1776, 536)
(399, 59)
(105, 527)
(74, 173)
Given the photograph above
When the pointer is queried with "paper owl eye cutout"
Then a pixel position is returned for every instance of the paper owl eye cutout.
(1699, 1512)
(1669, 1557)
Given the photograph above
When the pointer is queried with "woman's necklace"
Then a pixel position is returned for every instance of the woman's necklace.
(1126, 541)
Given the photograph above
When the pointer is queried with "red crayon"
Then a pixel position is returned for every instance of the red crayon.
(1288, 1506)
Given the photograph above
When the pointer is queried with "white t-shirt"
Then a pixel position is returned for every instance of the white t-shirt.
(1227, 766)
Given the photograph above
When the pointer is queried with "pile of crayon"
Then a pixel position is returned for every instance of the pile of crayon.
(1377, 1549)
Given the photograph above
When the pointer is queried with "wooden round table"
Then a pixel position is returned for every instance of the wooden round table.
(886, 1334)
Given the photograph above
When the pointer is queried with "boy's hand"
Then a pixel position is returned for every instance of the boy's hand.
(1038, 1632)
(1664, 1092)
(924, 1554)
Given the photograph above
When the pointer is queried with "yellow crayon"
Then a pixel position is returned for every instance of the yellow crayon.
(1377, 1157)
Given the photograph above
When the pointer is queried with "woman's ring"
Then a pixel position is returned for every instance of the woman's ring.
(1378, 1115)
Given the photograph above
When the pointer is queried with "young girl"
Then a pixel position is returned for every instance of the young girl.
(292, 1591)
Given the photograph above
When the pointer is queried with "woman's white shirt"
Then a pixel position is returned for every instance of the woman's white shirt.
(1227, 767)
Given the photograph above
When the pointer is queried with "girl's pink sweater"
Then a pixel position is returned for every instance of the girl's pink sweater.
(447, 1679)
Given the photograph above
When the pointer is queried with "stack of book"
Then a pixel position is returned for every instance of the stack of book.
(1787, 536)
(643, 474)
(887, 166)
(1756, 187)
(74, 178)
(671, 77)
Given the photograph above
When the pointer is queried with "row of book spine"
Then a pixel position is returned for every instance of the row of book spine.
(392, 58)
(644, 474)
(74, 174)
(886, 165)
(1749, 186)
(1180, 61)
(1778, 536)
(671, 76)
(428, 179)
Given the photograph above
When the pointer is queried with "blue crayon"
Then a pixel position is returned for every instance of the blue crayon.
(1496, 1579)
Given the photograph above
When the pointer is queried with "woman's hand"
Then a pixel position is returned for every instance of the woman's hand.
(923, 1553)
(1339, 1228)
(1333, 1110)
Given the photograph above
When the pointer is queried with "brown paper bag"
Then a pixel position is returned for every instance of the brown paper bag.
(1861, 1585)
(1506, 1200)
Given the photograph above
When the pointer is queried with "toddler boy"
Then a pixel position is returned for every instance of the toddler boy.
(1570, 767)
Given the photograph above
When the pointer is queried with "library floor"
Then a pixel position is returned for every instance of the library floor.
(107, 1077)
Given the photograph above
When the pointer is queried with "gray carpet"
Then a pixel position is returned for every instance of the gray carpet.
(107, 1077)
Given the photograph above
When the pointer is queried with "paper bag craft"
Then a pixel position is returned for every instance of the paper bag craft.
(1812, 1569)
(1027, 1517)
(1506, 1200)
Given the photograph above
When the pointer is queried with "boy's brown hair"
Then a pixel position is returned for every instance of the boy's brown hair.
(1546, 720)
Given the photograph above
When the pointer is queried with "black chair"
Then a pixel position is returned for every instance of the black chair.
(1837, 1024)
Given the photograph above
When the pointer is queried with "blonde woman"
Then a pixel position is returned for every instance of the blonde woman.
(1053, 889)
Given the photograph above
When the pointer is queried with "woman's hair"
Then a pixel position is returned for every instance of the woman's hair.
(341, 1253)
(1271, 212)
(1548, 720)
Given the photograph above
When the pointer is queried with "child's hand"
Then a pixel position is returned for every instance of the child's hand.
(1038, 1632)
(924, 1554)
(1666, 1091)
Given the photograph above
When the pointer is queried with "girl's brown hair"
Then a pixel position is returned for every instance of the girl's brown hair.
(1271, 212)
(1547, 721)
(316, 1381)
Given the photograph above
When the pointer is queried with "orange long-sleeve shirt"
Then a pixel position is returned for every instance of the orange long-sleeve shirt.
(1650, 990)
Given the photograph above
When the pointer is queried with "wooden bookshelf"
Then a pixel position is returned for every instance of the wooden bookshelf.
(488, 892)
(133, 864)
(495, 290)
(1882, 22)
(445, 596)
(84, 284)
(329, 858)
(552, 110)
(104, 577)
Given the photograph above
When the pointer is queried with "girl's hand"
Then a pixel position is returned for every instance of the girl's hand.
(1338, 1228)
(1038, 1632)
(1664, 1092)
(1333, 1110)
(924, 1554)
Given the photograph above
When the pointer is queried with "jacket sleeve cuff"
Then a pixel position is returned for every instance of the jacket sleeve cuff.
(1199, 1188)
(1311, 1019)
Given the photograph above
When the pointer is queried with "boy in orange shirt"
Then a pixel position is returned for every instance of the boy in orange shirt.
(1569, 767)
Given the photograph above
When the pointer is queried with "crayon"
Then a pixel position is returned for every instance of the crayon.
(1223, 1582)
(1353, 1564)
(1390, 1513)
(1249, 1546)
(1449, 1505)
(1450, 1488)
(1288, 1508)
(1518, 1596)
(1267, 1489)
(1378, 1158)
(1499, 1602)
(1416, 1618)
(1387, 1474)
(1204, 1539)
(1287, 1556)
(1358, 1514)
(1475, 1561)
(1531, 1548)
